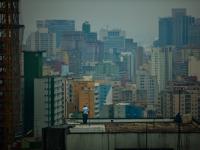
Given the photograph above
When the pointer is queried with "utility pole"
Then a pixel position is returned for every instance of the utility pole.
(178, 119)
(146, 136)
(179, 126)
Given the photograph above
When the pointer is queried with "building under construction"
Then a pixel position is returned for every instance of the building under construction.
(10, 53)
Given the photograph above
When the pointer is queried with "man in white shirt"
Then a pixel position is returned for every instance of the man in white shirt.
(85, 111)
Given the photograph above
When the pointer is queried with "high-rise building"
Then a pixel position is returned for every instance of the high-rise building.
(83, 92)
(181, 24)
(116, 92)
(114, 40)
(91, 51)
(182, 61)
(180, 69)
(63, 58)
(127, 67)
(90, 37)
(162, 65)
(106, 69)
(181, 96)
(193, 67)
(74, 43)
(176, 12)
(42, 40)
(130, 45)
(33, 62)
(165, 31)
(139, 57)
(147, 85)
(194, 34)
(82, 48)
(58, 27)
(48, 103)
(100, 51)
(81, 44)
(175, 30)
(86, 27)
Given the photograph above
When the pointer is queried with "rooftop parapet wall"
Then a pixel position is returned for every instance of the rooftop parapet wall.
(138, 134)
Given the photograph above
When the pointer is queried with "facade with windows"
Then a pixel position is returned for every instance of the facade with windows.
(147, 85)
(181, 96)
(42, 40)
(114, 41)
(162, 65)
(58, 27)
(49, 103)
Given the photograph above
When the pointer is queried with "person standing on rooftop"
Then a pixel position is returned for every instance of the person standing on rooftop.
(85, 111)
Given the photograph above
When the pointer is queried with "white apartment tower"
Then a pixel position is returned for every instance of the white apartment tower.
(48, 103)
(161, 67)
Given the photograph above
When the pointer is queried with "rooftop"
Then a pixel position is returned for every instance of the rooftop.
(131, 126)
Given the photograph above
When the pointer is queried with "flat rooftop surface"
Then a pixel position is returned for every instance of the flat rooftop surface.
(87, 128)
(158, 127)
(135, 127)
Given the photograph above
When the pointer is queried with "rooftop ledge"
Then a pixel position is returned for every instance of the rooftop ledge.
(129, 126)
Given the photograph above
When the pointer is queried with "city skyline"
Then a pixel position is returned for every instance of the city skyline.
(129, 67)
(142, 27)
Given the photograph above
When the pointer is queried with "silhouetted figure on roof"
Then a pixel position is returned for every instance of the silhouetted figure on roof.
(85, 111)
(178, 118)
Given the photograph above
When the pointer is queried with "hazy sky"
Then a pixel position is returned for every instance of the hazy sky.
(139, 18)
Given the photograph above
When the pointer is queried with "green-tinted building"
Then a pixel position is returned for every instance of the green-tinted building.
(86, 27)
(32, 69)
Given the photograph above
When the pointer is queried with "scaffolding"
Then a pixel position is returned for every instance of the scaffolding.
(10, 53)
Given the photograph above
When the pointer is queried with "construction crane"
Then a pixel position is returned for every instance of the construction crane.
(10, 53)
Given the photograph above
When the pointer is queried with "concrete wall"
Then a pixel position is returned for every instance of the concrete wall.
(104, 141)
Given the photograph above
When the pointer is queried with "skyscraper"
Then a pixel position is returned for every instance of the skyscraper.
(174, 30)
(42, 40)
(128, 65)
(139, 57)
(57, 27)
(34, 61)
(91, 51)
(165, 31)
(74, 43)
(114, 41)
(130, 45)
(86, 27)
(161, 59)
(193, 67)
(181, 24)
(194, 34)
